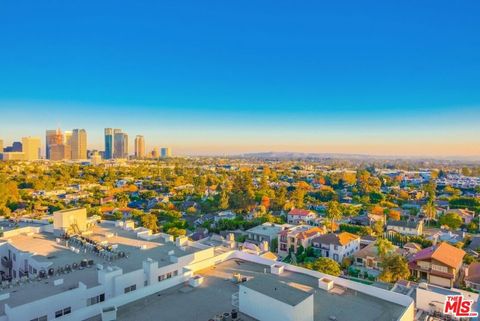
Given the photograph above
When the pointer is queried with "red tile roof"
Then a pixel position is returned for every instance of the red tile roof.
(443, 252)
(299, 212)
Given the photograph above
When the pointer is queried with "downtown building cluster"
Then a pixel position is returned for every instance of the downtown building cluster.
(72, 145)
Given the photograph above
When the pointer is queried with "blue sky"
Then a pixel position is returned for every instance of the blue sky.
(236, 76)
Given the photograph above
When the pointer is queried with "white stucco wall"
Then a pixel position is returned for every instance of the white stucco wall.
(265, 308)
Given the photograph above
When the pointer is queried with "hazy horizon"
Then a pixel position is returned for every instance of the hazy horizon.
(232, 78)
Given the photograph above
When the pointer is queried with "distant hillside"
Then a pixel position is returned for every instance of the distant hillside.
(296, 155)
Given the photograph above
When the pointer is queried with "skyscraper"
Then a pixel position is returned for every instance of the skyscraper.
(31, 148)
(60, 152)
(68, 138)
(79, 144)
(166, 152)
(52, 137)
(125, 145)
(108, 154)
(1, 146)
(139, 146)
(120, 144)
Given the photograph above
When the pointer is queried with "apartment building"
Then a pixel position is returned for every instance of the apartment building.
(299, 216)
(336, 246)
(301, 235)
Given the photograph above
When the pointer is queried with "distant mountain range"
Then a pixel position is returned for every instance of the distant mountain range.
(297, 155)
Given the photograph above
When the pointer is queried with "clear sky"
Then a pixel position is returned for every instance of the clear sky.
(214, 77)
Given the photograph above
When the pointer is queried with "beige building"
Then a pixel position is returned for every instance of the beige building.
(13, 156)
(72, 221)
(31, 148)
(68, 138)
(139, 146)
(60, 152)
(79, 144)
(96, 158)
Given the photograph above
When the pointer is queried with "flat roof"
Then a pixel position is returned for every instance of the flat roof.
(46, 249)
(214, 296)
(279, 290)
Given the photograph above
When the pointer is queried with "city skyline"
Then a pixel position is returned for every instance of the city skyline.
(99, 142)
(320, 78)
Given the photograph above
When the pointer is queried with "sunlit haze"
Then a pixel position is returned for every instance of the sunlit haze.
(235, 77)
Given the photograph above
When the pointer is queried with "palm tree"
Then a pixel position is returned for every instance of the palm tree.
(430, 211)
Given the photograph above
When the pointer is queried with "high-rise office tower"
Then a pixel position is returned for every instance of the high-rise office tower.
(166, 152)
(155, 152)
(60, 152)
(31, 148)
(125, 145)
(1, 146)
(52, 137)
(120, 144)
(139, 146)
(108, 154)
(68, 138)
(79, 144)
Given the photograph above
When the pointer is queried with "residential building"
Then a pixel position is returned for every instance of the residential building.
(155, 153)
(139, 147)
(439, 264)
(31, 148)
(105, 274)
(430, 301)
(166, 152)
(336, 246)
(472, 276)
(301, 235)
(108, 143)
(405, 227)
(369, 258)
(466, 215)
(79, 144)
(299, 216)
(52, 137)
(266, 232)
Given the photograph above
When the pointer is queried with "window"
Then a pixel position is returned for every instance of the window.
(96, 299)
(175, 273)
(169, 275)
(63, 312)
(42, 318)
(161, 278)
(439, 268)
(130, 288)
